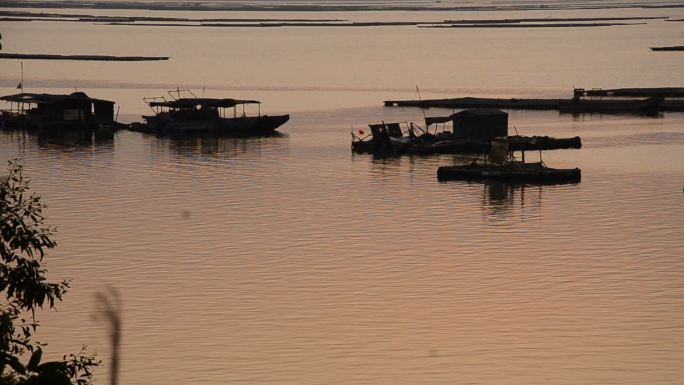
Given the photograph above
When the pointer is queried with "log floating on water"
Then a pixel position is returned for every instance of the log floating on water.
(535, 25)
(470, 102)
(31, 56)
(673, 48)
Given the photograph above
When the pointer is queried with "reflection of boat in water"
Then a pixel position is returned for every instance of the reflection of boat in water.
(221, 146)
(71, 141)
(58, 113)
(471, 131)
(503, 167)
(194, 115)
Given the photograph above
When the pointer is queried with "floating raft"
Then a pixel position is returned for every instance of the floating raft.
(673, 48)
(514, 173)
(523, 104)
(470, 102)
(462, 146)
(666, 92)
(80, 57)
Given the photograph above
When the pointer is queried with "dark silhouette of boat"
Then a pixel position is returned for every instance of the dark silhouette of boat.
(194, 115)
(471, 132)
(520, 143)
(503, 167)
(579, 103)
(583, 105)
(52, 112)
(511, 172)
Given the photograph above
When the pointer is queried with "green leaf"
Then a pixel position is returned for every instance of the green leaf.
(15, 364)
(35, 360)
(53, 378)
(52, 366)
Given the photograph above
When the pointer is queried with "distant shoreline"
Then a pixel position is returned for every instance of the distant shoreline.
(159, 21)
(270, 7)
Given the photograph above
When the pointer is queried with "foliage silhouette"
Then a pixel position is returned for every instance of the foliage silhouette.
(24, 240)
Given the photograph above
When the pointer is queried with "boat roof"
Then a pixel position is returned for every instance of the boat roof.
(474, 111)
(203, 102)
(26, 97)
(438, 119)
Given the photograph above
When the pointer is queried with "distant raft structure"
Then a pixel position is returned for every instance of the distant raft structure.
(595, 100)
(582, 102)
(187, 114)
(51, 112)
(471, 131)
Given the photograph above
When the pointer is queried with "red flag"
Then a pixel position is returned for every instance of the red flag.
(361, 132)
(19, 86)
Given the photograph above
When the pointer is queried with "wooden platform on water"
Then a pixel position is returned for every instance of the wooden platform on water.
(519, 104)
(673, 48)
(80, 57)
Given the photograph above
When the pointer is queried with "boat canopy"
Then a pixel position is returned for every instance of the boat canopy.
(52, 98)
(201, 102)
(429, 120)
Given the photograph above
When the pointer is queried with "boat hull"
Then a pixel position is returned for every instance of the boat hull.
(239, 126)
(462, 146)
(536, 174)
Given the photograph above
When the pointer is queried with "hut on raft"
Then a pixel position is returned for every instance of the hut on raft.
(54, 112)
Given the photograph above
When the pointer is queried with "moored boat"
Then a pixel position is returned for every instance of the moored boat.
(54, 112)
(503, 167)
(468, 131)
(634, 106)
(519, 142)
(511, 172)
(194, 115)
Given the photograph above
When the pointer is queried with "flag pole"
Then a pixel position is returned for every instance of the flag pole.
(22, 77)
(422, 108)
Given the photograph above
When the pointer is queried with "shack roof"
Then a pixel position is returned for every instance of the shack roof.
(481, 112)
(52, 98)
(203, 102)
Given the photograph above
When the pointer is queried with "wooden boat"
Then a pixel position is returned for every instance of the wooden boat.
(503, 167)
(194, 115)
(582, 105)
(519, 143)
(392, 139)
(75, 111)
(512, 172)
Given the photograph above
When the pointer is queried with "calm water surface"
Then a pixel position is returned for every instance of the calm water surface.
(288, 260)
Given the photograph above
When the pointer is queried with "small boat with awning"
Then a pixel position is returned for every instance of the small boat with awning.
(57, 112)
(501, 166)
(195, 115)
(465, 132)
